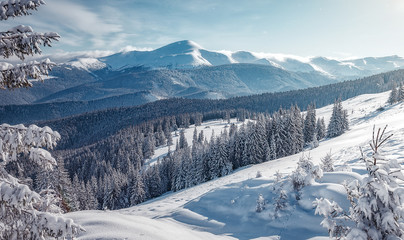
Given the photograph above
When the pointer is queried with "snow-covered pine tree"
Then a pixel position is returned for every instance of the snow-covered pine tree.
(400, 93)
(280, 202)
(169, 139)
(201, 138)
(320, 128)
(339, 120)
(137, 193)
(297, 129)
(377, 201)
(314, 143)
(305, 173)
(272, 148)
(260, 204)
(327, 163)
(393, 98)
(183, 140)
(309, 123)
(148, 145)
(195, 137)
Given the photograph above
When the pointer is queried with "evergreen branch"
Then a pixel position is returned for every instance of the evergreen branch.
(18, 76)
(22, 41)
(16, 8)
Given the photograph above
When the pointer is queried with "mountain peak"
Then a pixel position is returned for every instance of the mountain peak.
(184, 46)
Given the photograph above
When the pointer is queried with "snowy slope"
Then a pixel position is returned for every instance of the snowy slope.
(89, 64)
(188, 54)
(225, 208)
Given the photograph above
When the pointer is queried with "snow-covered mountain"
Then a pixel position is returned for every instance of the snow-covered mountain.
(225, 208)
(185, 69)
(188, 54)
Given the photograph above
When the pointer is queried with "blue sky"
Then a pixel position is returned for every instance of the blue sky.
(333, 28)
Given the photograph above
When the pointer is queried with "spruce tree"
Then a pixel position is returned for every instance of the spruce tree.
(183, 141)
(310, 123)
(320, 128)
(393, 98)
(136, 190)
(400, 94)
(339, 120)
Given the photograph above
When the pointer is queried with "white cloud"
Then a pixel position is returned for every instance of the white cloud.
(129, 48)
(74, 19)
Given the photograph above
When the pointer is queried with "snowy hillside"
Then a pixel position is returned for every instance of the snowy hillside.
(225, 208)
(188, 54)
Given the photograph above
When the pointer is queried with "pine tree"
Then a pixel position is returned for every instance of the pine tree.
(169, 139)
(148, 146)
(136, 189)
(183, 141)
(260, 204)
(195, 137)
(394, 96)
(297, 129)
(272, 148)
(339, 120)
(310, 123)
(320, 128)
(400, 93)
(111, 193)
(280, 202)
(327, 163)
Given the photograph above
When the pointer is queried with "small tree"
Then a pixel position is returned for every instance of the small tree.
(339, 120)
(305, 173)
(260, 204)
(400, 93)
(310, 123)
(327, 163)
(377, 201)
(320, 128)
(280, 202)
(393, 98)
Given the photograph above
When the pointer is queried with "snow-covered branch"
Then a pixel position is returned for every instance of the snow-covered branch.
(21, 220)
(20, 139)
(18, 76)
(22, 41)
(16, 8)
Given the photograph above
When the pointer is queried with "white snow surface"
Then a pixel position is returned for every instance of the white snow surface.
(87, 63)
(225, 208)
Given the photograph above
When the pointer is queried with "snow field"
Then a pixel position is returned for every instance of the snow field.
(225, 208)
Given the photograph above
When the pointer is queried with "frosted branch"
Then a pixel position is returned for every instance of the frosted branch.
(20, 139)
(16, 8)
(17, 76)
(22, 41)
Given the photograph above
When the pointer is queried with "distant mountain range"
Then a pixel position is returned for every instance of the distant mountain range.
(184, 69)
(187, 54)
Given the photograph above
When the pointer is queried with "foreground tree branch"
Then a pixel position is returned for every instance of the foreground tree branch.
(18, 76)
(22, 41)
